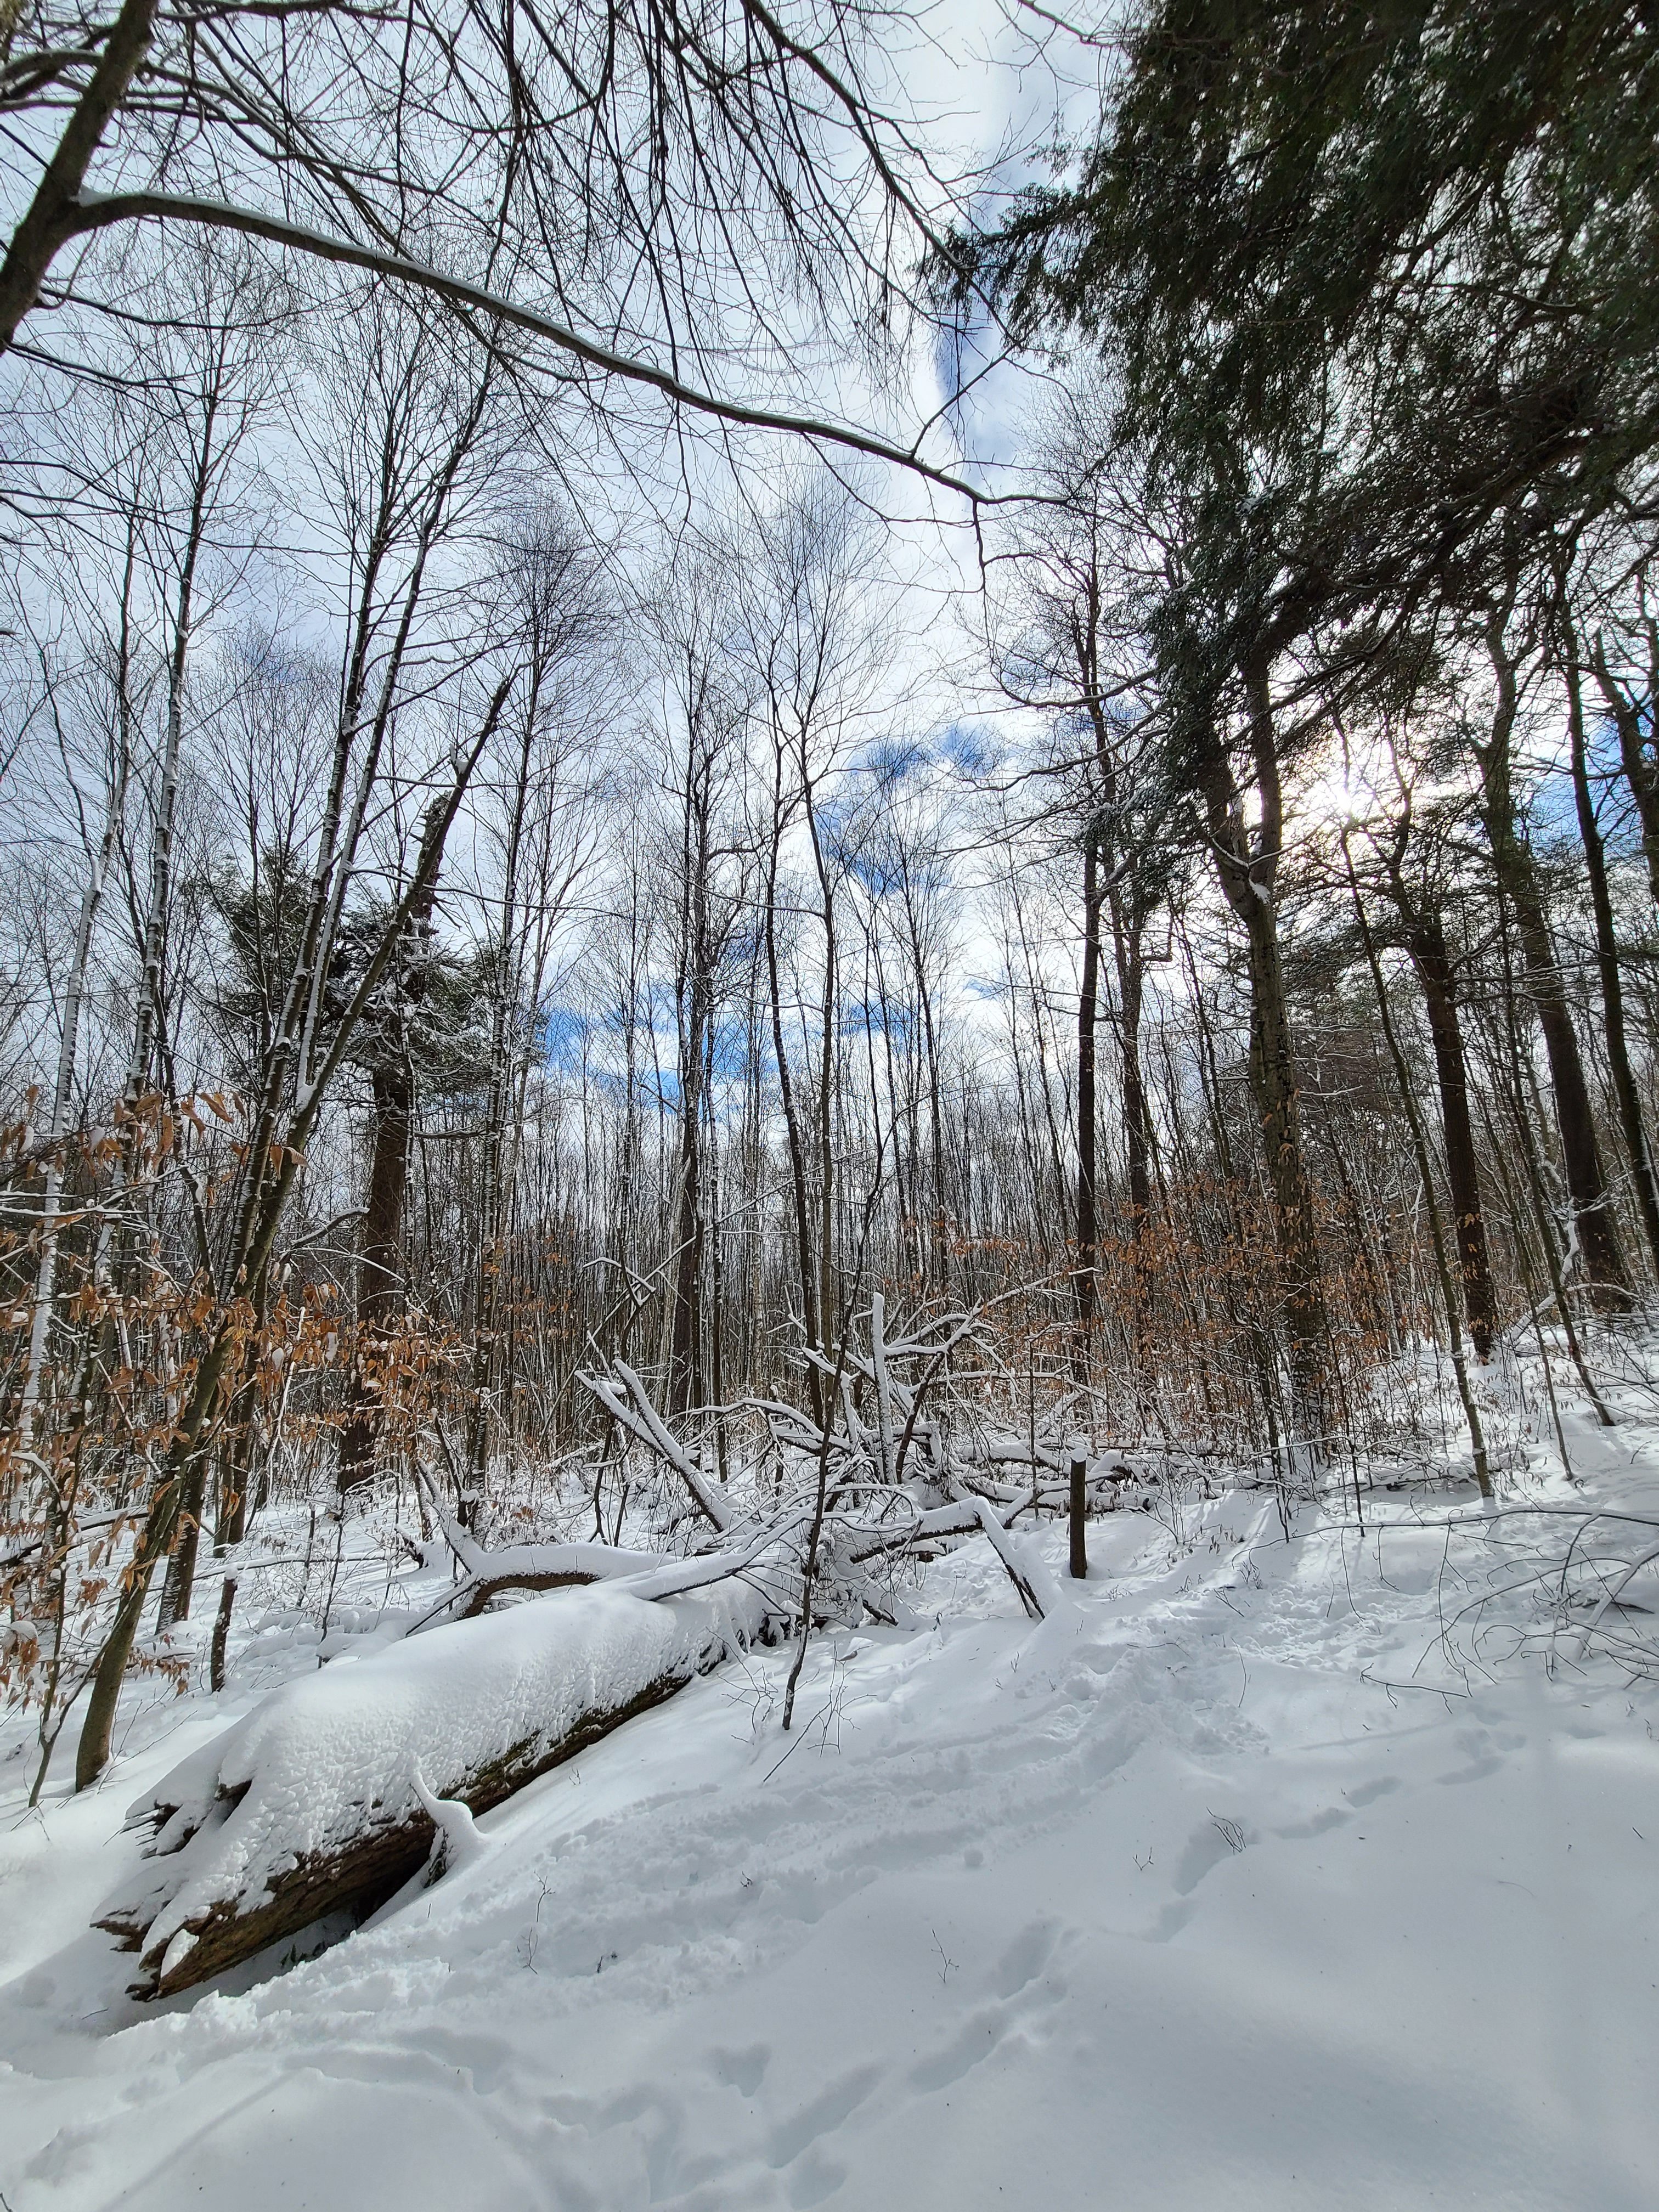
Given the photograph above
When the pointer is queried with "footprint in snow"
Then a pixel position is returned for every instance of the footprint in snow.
(1207, 1847)
(742, 2069)
(1321, 1823)
(1368, 1792)
(1025, 1957)
(1025, 1988)
(1477, 1771)
(830, 2109)
(815, 2177)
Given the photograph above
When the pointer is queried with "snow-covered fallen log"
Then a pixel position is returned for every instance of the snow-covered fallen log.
(318, 1799)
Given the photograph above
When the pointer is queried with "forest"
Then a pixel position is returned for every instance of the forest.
(806, 812)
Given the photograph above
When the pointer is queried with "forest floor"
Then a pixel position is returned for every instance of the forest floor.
(1261, 1875)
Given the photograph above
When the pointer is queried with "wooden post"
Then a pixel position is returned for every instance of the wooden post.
(221, 1634)
(1080, 1544)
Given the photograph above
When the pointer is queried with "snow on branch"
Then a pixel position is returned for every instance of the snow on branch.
(627, 1401)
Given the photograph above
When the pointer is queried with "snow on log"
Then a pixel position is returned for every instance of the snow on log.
(487, 1574)
(318, 1799)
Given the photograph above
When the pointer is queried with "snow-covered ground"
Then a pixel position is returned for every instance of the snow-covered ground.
(1225, 1885)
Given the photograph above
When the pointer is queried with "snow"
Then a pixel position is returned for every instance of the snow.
(391, 1731)
(1230, 1882)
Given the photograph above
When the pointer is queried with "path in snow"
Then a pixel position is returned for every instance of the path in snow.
(1157, 1904)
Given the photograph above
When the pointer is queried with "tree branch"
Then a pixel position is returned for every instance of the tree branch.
(95, 211)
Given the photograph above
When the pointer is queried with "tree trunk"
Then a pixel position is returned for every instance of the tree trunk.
(1275, 1085)
(1606, 959)
(51, 219)
(486, 1291)
(1137, 1114)
(1425, 1170)
(1426, 941)
(1248, 867)
(271, 1171)
(1518, 886)
(179, 1584)
(694, 994)
(792, 1122)
(39, 1346)
(686, 1342)
(1641, 769)
(1088, 1181)
(380, 1266)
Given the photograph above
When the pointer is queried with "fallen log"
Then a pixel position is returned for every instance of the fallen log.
(317, 1801)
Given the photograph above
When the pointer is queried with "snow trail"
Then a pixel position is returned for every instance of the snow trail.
(1192, 1893)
